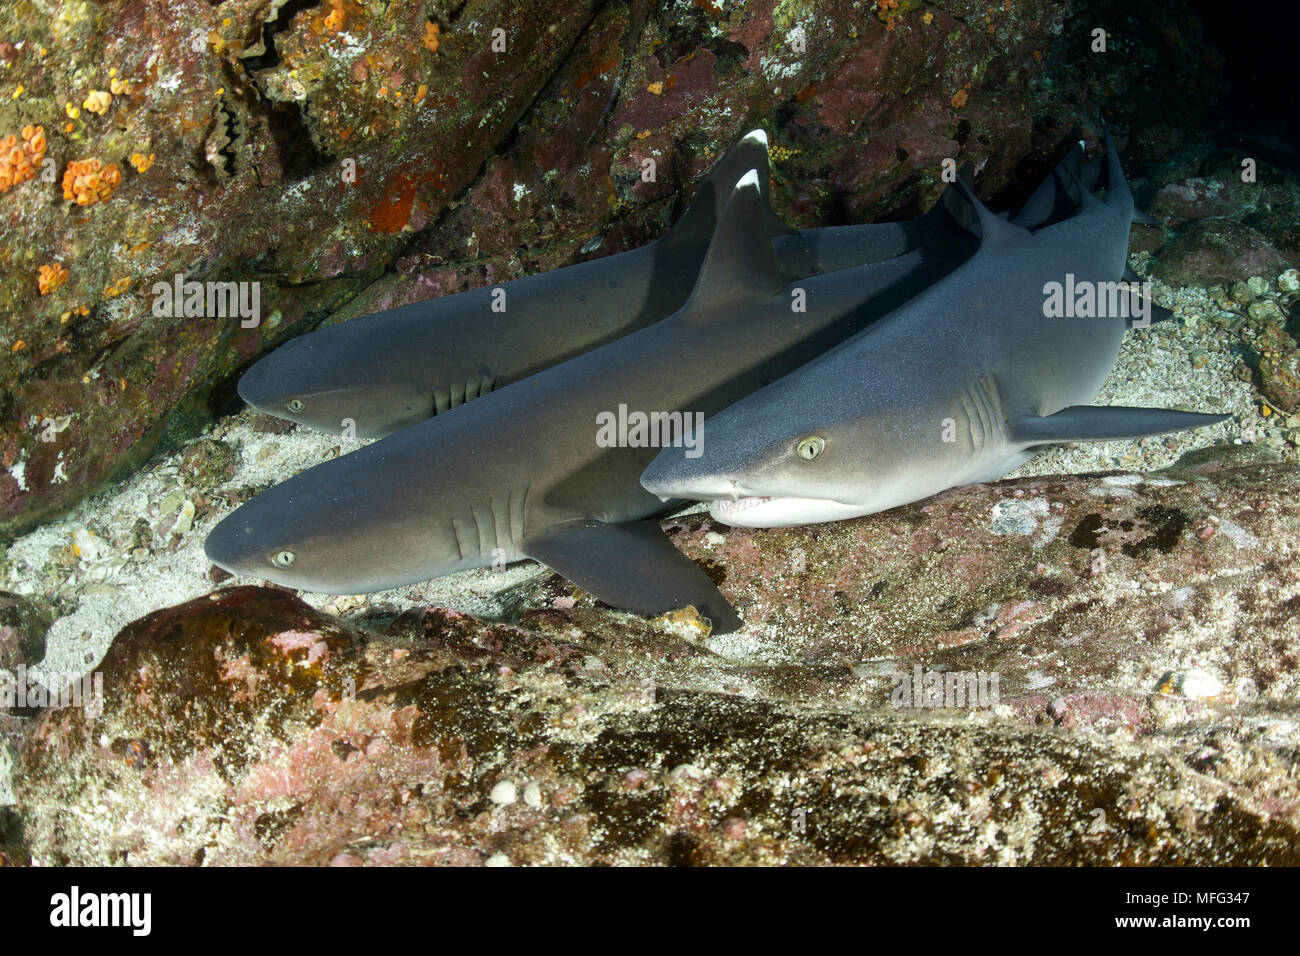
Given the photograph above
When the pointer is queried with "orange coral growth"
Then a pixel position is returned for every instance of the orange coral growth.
(98, 101)
(959, 99)
(118, 287)
(334, 21)
(51, 277)
(19, 161)
(141, 162)
(89, 181)
(431, 31)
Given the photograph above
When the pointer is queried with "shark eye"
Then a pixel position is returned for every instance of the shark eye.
(810, 448)
(294, 405)
(283, 559)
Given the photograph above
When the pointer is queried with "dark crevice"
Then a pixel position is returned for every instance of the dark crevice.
(299, 155)
(505, 144)
(284, 16)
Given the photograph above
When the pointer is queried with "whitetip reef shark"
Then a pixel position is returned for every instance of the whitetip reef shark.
(519, 472)
(961, 385)
(393, 368)
(385, 371)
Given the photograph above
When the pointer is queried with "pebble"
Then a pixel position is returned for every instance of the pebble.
(497, 859)
(1193, 683)
(1264, 310)
(533, 794)
(504, 794)
(1257, 284)
(1289, 281)
(186, 519)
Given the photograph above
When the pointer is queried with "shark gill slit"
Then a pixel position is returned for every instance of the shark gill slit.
(518, 501)
(458, 393)
(459, 532)
(486, 534)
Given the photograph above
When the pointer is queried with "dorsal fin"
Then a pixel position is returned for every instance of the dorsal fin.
(701, 217)
(1048, 202)
(1086, 198)
(1092, 170)
(740, 264)
(990, 228)
(1116, 184)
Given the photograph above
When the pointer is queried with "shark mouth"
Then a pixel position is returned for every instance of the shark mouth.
(726, 508)
(762, 511)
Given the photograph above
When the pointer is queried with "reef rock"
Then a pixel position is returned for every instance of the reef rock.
(23, 624)
(1132, 642)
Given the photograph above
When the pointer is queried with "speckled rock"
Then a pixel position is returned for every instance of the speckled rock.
(1143, 630)
(23, 624)
(1279, 378)
(1216, 251)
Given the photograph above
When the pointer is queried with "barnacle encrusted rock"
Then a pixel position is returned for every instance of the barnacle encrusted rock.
(1144, 712)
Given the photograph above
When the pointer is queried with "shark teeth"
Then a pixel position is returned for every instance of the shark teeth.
(729, 507)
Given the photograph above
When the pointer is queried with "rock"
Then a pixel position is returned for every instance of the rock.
(1279, 379)
(23, 623)
(1194, 198)
(209, 463)
(244, 727)
(1214, 252)
(12, 850)
(1265, 310)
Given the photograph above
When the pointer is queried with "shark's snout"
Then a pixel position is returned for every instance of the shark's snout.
(674, 476)
(261, 386)
(230, 545)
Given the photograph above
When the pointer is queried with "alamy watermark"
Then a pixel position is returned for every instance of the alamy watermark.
(626, 429)
(951, 689)
(1098, 300)
(76, 690)
(179, 299)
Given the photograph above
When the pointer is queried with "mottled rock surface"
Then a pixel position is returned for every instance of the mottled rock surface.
(23, 624)
(1144, 631)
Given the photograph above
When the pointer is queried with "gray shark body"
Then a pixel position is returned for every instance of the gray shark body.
(382, 372)
(961, 385)
(521, 472)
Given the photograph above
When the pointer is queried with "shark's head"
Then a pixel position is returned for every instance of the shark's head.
(341, 527)
(299, 381)
(798, 453)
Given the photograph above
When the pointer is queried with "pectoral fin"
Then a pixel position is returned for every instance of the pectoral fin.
(632, 566)
(1104, 423)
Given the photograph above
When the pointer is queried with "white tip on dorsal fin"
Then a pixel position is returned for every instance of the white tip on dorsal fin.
(705, 210)
(992, 228)
(740, 264)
